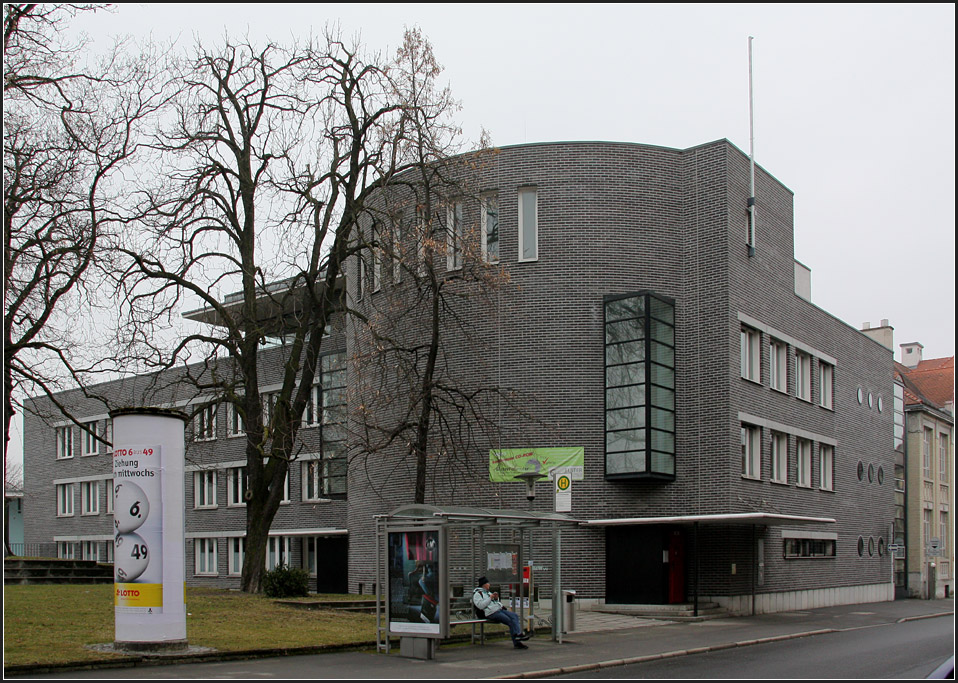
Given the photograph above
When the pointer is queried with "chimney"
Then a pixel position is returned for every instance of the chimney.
(911, 354)
(884, 335)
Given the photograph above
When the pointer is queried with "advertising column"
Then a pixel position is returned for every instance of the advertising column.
(148, 500)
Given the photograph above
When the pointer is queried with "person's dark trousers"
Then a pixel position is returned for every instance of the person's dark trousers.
(510, 619)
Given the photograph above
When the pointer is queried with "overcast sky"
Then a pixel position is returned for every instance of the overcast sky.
(854, 111)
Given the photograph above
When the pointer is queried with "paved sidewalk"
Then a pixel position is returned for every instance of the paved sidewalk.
(603, 640)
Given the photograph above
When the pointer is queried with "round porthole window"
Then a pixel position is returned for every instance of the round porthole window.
(881, 475)
(861, 470)
(861, 395)
(869, 400)
(861, 546)
(871, 473)
(871, 546)
(881, 546)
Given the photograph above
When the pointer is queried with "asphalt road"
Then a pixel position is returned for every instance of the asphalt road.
(910, 649)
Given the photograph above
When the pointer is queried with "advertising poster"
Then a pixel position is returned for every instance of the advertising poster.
(506, 463)
(138, 526)
(414, 582)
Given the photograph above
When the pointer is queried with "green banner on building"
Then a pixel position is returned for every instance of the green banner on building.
(506, 463)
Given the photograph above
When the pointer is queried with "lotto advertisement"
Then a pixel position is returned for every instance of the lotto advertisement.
(138, 522)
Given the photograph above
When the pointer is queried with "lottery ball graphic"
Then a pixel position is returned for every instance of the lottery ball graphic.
(131, 557)
(130, 507)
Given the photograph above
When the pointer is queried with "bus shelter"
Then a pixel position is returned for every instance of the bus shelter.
(428, 559)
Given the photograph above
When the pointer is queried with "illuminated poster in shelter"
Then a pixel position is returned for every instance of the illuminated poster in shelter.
(414, 582)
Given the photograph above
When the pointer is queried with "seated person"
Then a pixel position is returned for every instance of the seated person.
(488, 603)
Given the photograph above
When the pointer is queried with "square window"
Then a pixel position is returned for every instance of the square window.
(278, 552)
(205, 423)
(205, 555)
(204, 489)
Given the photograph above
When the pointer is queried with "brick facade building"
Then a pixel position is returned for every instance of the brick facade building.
(633, 321)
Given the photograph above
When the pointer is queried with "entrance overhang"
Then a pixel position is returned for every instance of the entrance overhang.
(732, 518)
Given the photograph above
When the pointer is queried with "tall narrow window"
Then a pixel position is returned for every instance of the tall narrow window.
(943, 457)
(639, 387)
(826, 375)
(204, 489)
(206, 423)
(235, 425)
(803, 376)
(90, 498)
(64, 500)
(397, 251)
(64, 442)
(899, 412)
(91, 438)
(237, 553)
(528, 224)
(751, 452)
(278, 552)
(778, 365)
(109, 496)
(377, 256)
(360, 276)
(826, 460)
(751, 354)
(929, 434)
(803, 469)
(237, 482)
(779, 457)
(454, 236)
(490, 228)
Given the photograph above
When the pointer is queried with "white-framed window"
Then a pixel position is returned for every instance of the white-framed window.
(943, 457)
(269, 402)
(454, 236)
(205, 423)
(108, 436)
(278, 551)
(929, 435)
(91, 438)
(64, 442)
(90, 550)
(89, 498)
(751, 451)
(803, 376)
(778, 365)
(323, 478)
(751, 354)
(826, 462)
(66, 550)
(237, 482)
(803, 462)
(943, 530)
(204, 550)
(64, 500)
(285, 498)
(422, 228)
(397, 252)
(489, 220)
(235, 425)
(313, 411)
(826, 380)
(110, 551)
(108, 485)
(528, 223)
(311, 553)
(204, 489)
(926, 525)
(377, 256)
(361, 279)
(779, 457)
(237, 553)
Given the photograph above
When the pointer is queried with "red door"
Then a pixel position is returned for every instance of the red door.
(676, 567)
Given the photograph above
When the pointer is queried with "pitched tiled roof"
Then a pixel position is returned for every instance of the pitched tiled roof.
(932, 382)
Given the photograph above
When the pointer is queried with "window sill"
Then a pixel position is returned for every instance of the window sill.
(65, 457)
(87, 455)
(802, 398)
(780, 482)
(799, 557)
(60, 515)
(781, 391)
(206, 574)
(230, 436)
(751, 478)
(211, 438)
(827, 490)
(753, 381)
(236, 505)
(527, 260)
(803, 486)
(205, 507)
(828, 408)
(89, 514)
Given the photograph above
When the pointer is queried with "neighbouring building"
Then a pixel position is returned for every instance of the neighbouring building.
(735, 436)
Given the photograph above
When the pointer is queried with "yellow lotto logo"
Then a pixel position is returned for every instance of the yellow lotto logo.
(138, 594)
(563, 483)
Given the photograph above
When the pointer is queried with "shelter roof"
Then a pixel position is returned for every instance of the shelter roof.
(732, 518)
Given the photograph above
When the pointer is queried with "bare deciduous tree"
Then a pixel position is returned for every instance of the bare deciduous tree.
(270, 165)
(68, 133)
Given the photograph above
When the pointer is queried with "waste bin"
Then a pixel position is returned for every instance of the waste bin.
(568, 611)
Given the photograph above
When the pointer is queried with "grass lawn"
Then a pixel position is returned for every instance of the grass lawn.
(52, 624)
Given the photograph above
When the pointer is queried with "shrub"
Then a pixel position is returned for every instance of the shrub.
(286, 582)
